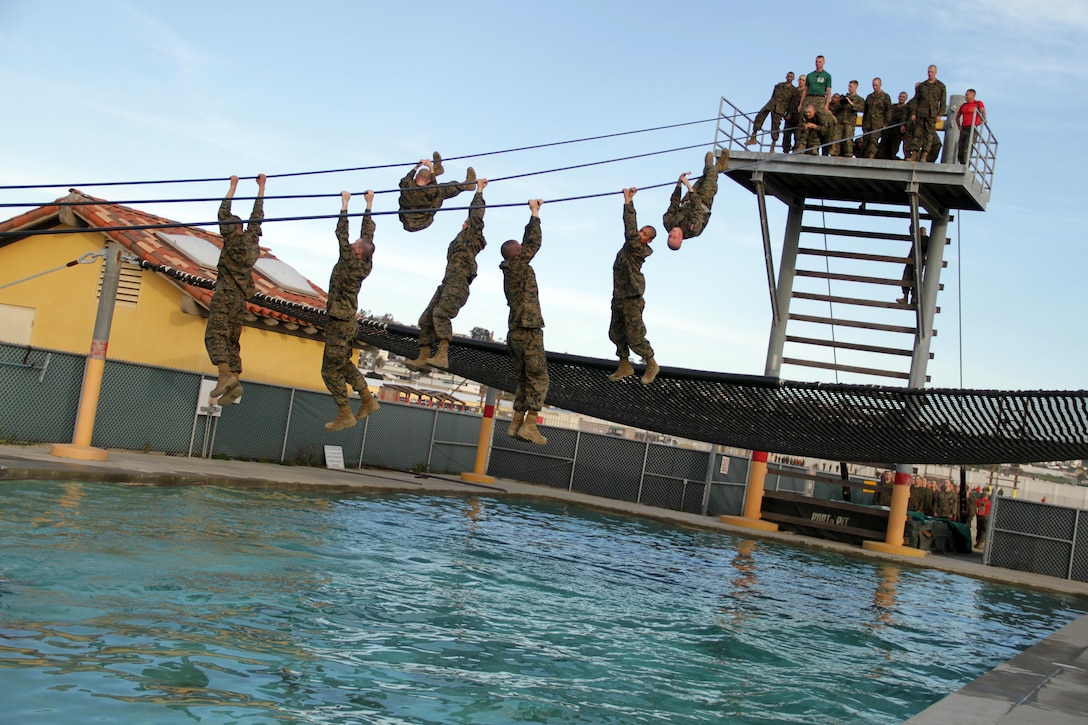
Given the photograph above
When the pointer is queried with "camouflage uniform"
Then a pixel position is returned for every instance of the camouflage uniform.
(908, 268)
(892, 139)
(931, 97)
(452, 294)
(419, 203)
(337, 369)
(777, 105)
(526, 324)
(877, 107)
(850, 104)
(233, 285)
(811, 138)
(793, 118)
(692, 211)
(627, 330)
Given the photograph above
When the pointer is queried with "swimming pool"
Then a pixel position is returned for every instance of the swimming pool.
(153, 604)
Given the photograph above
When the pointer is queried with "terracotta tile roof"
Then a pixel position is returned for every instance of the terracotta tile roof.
(147, 245)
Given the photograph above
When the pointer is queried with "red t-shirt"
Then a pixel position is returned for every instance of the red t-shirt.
(967, 116)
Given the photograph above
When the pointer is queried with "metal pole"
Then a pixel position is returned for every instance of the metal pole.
(768, 255)
(483, 447)
(950, 154)
(709, 481)
(931, 282)
(574, 460)
(642, 474)
(434, 427)
(80, 446)
(784, 291)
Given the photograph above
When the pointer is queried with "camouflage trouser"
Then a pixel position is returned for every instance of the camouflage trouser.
(531, 365)
(776, 123)
(416, 220)
(448, 299)
(627, 329)
(808, 139)
(224, 327)
(925, 130)
(789, 133)
(693, 217)
(890, 142)
(337, 369)
(845, 131)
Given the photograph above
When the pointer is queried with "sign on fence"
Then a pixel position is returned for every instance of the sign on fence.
(334, 457)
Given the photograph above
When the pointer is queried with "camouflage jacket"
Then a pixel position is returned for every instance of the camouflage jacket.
(877, 108)
(519, 281)
(627, 277)
(779, 102)
(931, 98)
(793, 103)
(349, 272)
(824, 120)
(240, 249)
(423, 199)
(461, 254)
(693, 213)
(850, 104)
(898, 113)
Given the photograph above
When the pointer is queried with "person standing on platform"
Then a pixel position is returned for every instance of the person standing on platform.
(877, 108)
(777, 106)
(817, 89)
(421, 195)
(893, 137)
(337, 368)
(850, 104)
(435, 323)
(688, 215)
(793, 116)
(931, 96)
(627, 329)
(525, 336)
(233, 286)
(817, 127)
(970, 114)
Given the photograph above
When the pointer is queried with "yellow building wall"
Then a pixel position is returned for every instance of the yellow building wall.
(154, 331)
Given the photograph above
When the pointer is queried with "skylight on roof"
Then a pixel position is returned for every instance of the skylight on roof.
(284, 275)
(201, 251)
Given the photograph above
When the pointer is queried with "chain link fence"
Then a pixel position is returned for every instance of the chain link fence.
(654, 474)
(147, 408)
(1038, 537)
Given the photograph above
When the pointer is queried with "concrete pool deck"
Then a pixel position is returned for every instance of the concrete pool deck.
(1046, 683)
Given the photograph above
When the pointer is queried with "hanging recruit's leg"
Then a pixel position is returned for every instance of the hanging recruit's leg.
(452, 296)
(427, 337)
(628, 332)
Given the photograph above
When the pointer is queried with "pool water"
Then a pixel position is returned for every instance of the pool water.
(200, 604)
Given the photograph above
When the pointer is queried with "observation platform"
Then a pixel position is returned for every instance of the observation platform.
(794, 176)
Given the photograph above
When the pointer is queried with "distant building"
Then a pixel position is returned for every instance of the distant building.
(158, 320)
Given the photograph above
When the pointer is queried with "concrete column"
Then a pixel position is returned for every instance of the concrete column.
(952, 140)
(483, 447)
(80, 447)
(897, 518)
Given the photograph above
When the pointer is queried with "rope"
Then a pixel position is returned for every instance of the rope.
(337, 194)
(357, 168)
(84, 259)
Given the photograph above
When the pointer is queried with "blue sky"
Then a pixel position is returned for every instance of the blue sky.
(118, 90)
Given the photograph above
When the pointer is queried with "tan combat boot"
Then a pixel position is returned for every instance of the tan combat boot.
(344, 419)
(752, 141)
(528, 431)
(441, 358)
(723, 161)
(515, 423)
(651, 372)
(709, 158)
(470, 180)
(368, 406)
(227, 379)
(437, 167)
(420, 362)
(623, 370)
(234, 392)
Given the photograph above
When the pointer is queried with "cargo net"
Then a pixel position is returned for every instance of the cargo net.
(859, 423)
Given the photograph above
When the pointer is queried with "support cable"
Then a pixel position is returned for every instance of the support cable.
(358, 168)
(314, 217)
(84, 259)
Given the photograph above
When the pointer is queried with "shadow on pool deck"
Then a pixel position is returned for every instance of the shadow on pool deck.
(1047, 683)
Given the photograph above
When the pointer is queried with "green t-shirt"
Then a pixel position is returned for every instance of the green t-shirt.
(817, 82)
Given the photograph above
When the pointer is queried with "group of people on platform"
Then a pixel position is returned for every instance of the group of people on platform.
(940, 498)
(817, 118)
(421, 196)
